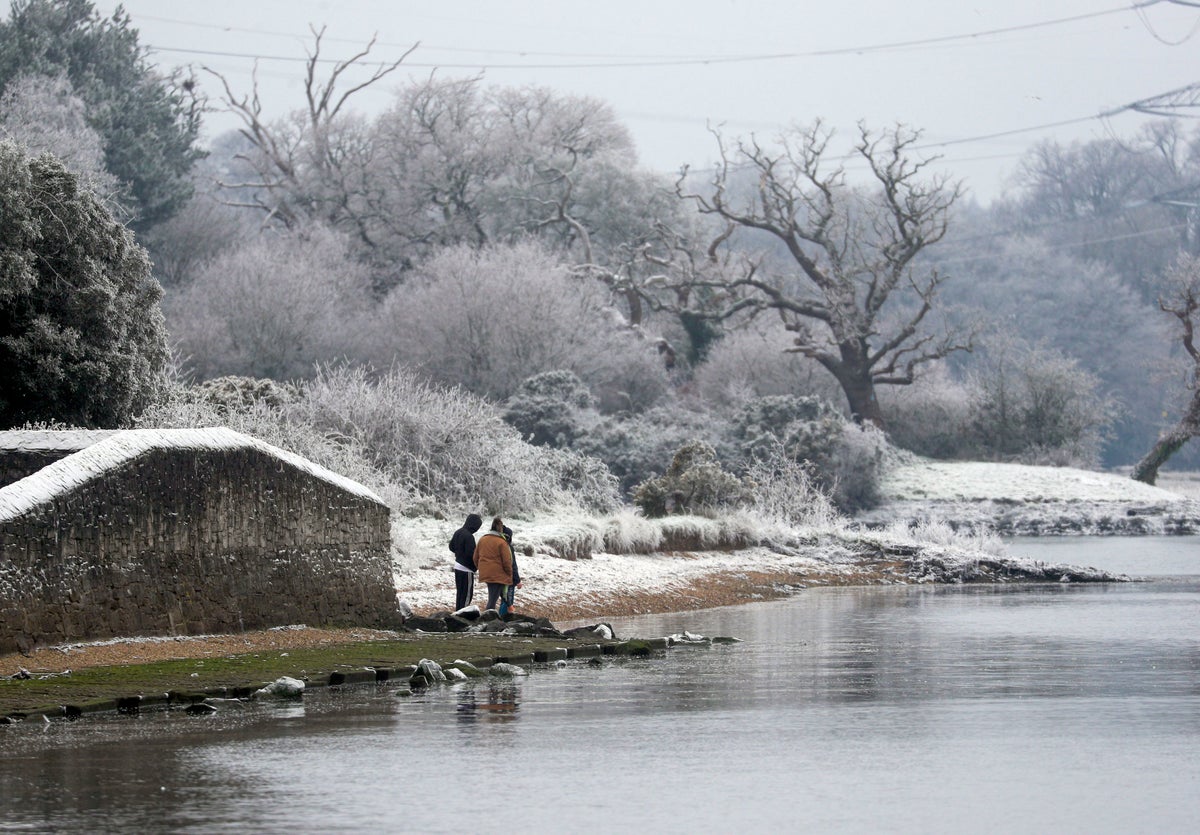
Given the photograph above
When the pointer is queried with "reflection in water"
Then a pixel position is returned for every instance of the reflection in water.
(489, 703)
(912, 709)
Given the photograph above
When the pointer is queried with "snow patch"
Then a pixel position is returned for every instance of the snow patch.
(924, 480)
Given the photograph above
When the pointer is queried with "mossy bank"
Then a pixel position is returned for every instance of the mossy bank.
(182, 682)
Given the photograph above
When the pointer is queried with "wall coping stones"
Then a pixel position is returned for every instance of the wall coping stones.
(93, 461)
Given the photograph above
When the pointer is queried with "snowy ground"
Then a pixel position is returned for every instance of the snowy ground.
(1017, 499)
(924, 480)
(937, 524)
(424, 565)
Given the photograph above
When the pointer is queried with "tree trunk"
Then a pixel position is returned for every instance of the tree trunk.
(1170, 443)
(860, 394)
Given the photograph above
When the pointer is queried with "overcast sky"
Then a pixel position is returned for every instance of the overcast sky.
(960, 71)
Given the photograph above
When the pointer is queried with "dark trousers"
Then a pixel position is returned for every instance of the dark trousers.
(464, 586)
(495, 592)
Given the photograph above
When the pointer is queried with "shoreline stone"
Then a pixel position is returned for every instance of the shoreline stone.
(428, 673)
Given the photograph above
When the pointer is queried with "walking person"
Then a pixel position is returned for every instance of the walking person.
(510, 592)
(462, 545)
(493, 560)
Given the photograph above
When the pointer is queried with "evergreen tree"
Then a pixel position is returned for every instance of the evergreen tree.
(148, 123)
(81, 335)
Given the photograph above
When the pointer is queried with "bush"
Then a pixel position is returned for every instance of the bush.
(639, 447)
(931, 417)
(450, 444)
(1034, 405)
(244, 392)
(417, 445)
(694, 483)
(844, 459)
(785, 492)
(550, 409)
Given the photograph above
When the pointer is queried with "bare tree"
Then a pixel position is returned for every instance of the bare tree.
(1181, 299)
(309, 167)
(857, 305)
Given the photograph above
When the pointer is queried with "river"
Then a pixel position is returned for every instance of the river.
(1064, 708)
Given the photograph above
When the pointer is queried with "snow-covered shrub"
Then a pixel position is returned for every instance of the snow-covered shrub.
(785, 492)
(550, 409)
(187, 408)
(808, 428)
(234, 392)
(448, 443)
(694, 483)
(846, 460)
(639, 447)
(856, 467)
(1034, 405)
(418, 445)
(931, 417)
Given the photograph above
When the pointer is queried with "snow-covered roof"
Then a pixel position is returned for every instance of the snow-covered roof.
(981, 481)
(92, 462)
(51, 440)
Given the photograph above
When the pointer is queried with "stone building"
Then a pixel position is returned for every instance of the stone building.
(183, 531)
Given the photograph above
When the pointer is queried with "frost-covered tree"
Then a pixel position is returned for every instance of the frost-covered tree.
(44, 114)
(852, 297)
(1179, 297)
(312, 165)
(1016, 286)
(148, 123)
(450, 162)
(1127, 203)
(274, 307)
(81, 335)
(490, 318)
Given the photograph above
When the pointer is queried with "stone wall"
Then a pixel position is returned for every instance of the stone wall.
(188, 534)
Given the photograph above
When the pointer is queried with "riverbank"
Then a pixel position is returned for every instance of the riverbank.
(564, 591)
(578, 570)
(1020, 500)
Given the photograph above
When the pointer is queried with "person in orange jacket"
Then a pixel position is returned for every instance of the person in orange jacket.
(493, 562)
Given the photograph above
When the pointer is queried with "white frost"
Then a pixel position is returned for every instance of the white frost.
(79, 468)
(981, 481)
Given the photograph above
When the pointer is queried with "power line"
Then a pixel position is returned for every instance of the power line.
(701, 61)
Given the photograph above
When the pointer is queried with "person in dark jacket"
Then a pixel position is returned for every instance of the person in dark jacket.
(462, 545)
(506, 600)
